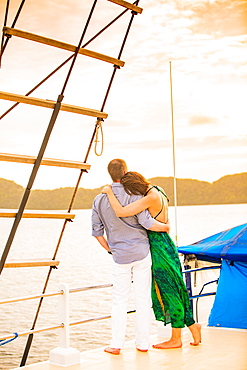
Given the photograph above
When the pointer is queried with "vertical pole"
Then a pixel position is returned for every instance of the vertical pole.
(63, 314)
(188, 283)
(174, 158)
(64, 355)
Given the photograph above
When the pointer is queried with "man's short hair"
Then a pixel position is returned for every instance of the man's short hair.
(117, 168)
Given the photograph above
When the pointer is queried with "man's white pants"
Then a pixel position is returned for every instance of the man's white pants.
(122, 277)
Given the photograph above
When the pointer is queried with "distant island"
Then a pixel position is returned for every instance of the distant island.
(230, 189)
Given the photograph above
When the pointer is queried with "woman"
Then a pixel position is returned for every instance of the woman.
(169, 294)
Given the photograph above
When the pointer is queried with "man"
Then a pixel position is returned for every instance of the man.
(128, 243)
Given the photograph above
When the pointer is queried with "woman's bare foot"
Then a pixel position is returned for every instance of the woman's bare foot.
(113, 351)
(168, 345)
(196, 333)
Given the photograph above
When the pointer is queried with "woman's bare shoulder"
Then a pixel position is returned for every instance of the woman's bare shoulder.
(153, 194)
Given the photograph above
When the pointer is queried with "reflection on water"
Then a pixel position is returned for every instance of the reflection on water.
(83, 263)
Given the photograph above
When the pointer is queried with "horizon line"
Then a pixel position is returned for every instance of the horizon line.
(164, 177)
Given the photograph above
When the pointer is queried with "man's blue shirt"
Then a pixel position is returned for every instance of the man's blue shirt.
(126, 236)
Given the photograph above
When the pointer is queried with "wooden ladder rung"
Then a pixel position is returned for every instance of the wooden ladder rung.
(61, 45)
(5, 157)
(50, 104)
(127, 5)
(33, 214)
(31, 263)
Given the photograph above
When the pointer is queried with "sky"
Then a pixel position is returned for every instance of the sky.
(201, 44)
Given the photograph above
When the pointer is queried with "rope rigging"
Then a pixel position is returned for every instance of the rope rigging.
(66, 61)
(96, 137)
(4, 23)
(4, 44)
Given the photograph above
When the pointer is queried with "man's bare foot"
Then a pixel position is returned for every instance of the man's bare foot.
(168, 345)
(196, 333)
(113, 351)
(142, 350)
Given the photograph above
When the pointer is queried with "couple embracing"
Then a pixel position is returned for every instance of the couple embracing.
(134, 216)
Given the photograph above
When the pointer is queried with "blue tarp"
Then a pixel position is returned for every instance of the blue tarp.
(230, 304)
(229, 248)
(230, 244)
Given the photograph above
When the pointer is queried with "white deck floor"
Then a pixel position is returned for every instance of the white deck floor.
(224, 349)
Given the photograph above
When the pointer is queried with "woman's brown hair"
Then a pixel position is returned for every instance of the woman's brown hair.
(134, 183)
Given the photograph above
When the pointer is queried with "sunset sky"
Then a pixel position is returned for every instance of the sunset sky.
(206, 42)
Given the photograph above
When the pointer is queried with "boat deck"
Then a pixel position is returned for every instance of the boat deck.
(220, 349)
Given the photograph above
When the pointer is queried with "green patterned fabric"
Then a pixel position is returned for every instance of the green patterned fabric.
(169, 294)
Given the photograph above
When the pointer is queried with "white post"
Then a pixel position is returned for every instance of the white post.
(64, 355)
(174, 159)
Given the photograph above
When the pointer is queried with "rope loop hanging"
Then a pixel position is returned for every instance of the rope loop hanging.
(99, 129)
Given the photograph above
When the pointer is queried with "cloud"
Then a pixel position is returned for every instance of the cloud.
(209, 33)
(147, 145)
(214, 145)
(202, 120)
(220, 18)
(190, 143)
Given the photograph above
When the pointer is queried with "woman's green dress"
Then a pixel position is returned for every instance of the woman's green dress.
(169, 294)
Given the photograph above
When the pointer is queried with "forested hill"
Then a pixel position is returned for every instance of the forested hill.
(231, 189)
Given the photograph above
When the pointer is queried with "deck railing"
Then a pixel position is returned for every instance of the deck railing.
(64, 355)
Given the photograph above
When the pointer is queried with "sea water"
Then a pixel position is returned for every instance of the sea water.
(83, 262)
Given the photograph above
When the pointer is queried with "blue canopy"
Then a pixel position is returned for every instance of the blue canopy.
(230, 304)
(230, 245)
